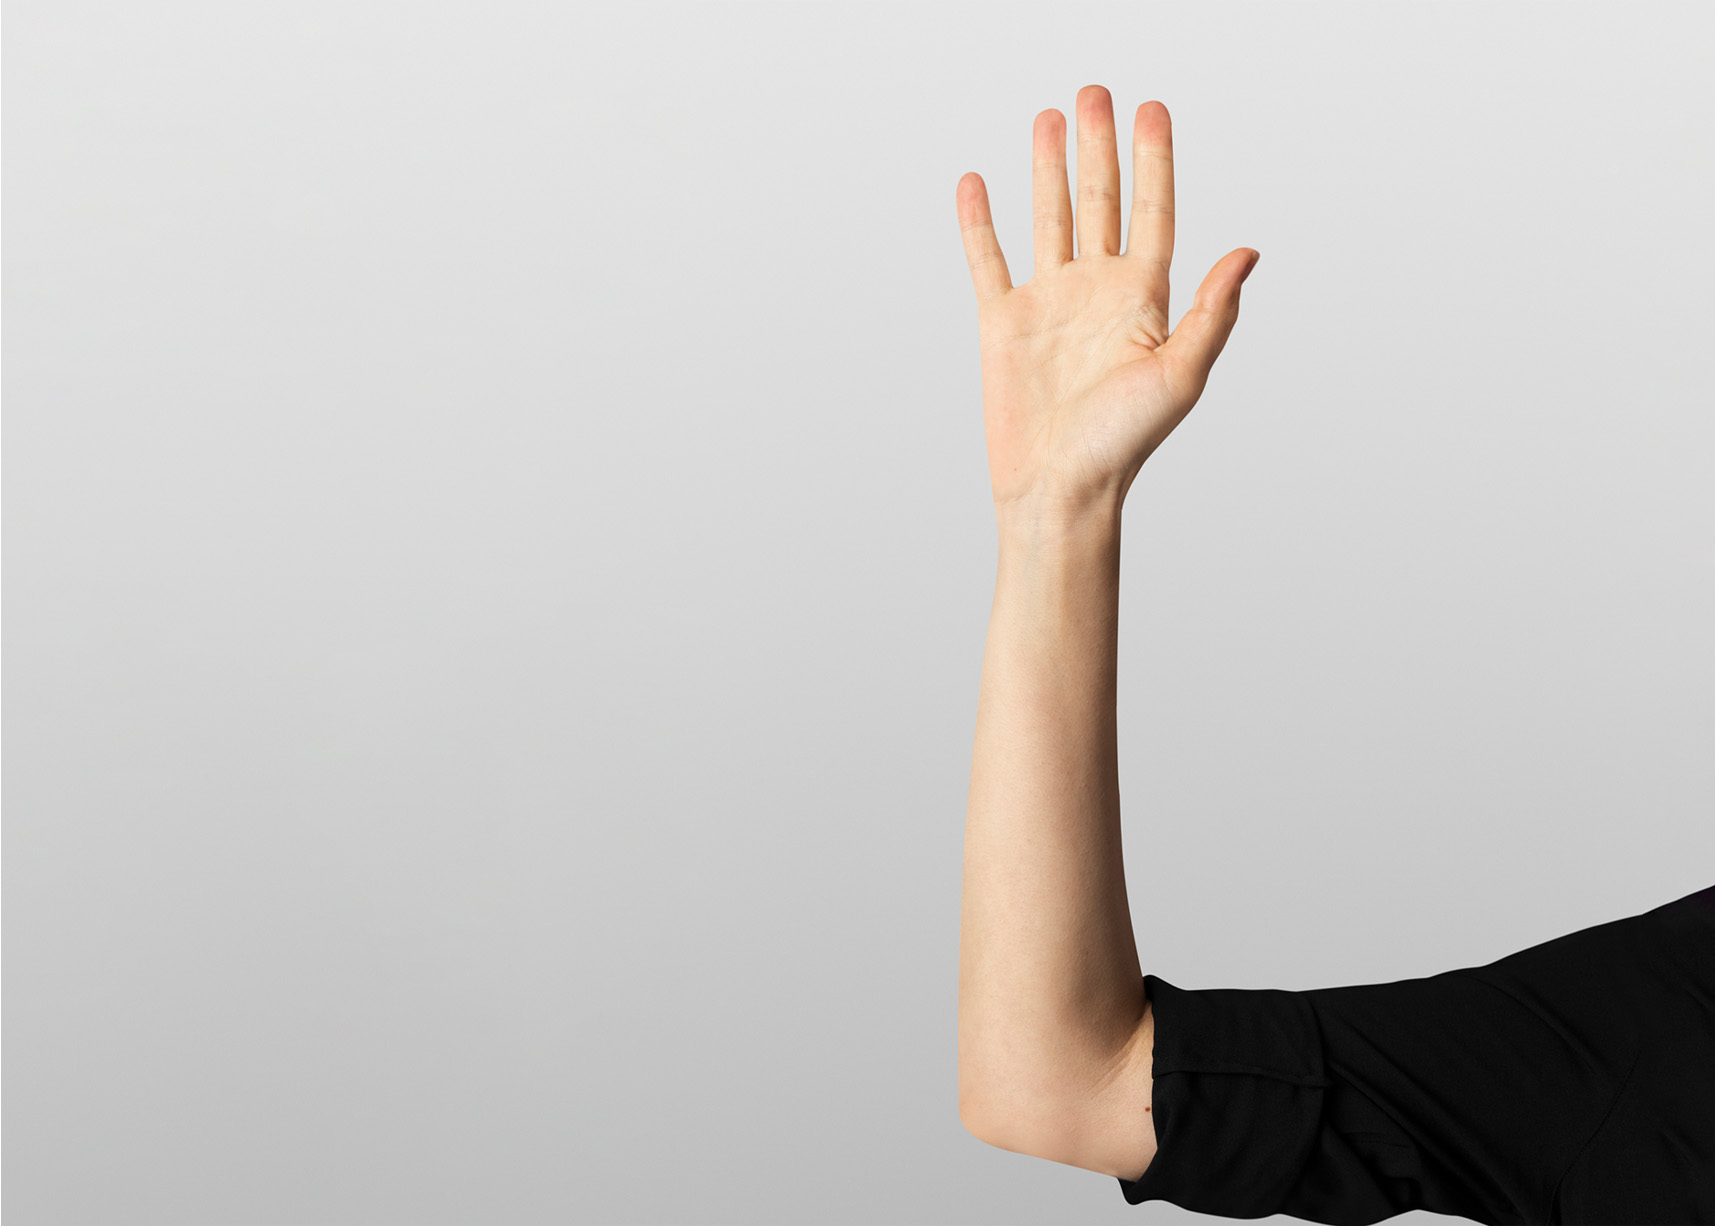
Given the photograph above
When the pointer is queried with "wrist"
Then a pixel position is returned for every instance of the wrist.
(1042, 521)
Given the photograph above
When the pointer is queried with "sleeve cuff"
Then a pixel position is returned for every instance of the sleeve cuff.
(1238, 1088)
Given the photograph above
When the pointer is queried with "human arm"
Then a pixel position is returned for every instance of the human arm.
(1082, 380)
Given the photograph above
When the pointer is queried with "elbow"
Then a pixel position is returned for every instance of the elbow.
(1002, 1099)
(1011, 1102)
(982, 1113)
(1001, 1119)
(973, 1110)
(1046, 1132)
(989, 1128)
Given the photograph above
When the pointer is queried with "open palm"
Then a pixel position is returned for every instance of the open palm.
(1082, 379)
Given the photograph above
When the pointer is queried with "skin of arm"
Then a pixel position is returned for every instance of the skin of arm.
(1082, 380)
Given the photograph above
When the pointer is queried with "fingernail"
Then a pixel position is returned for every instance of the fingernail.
(1255, 256)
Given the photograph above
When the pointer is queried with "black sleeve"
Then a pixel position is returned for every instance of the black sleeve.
(1573, 1081)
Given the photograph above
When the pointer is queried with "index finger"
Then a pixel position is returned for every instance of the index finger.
(1151, 235)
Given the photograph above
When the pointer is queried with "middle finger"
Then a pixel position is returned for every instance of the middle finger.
(1098, 218)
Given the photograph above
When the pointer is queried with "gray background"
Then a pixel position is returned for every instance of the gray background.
(500, 547)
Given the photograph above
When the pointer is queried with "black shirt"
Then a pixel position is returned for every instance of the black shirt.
(1573, 1081)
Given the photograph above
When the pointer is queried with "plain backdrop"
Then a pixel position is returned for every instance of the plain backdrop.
(499, 551)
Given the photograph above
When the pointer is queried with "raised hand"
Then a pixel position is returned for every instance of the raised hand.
(1081, 378)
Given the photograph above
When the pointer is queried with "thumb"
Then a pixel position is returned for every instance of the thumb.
(1202, 332)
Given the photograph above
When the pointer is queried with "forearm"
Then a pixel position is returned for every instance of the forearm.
(1050, 989)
